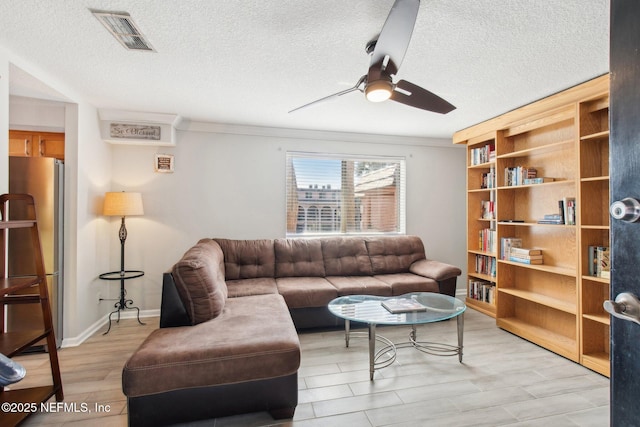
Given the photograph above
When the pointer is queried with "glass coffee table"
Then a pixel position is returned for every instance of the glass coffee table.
(421, 307)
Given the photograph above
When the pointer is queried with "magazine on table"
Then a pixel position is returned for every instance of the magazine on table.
(402, 305)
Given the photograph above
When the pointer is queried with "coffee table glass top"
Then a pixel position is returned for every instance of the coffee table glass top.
(369, 309)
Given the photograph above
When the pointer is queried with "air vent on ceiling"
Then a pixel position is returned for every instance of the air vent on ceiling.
(122, 27)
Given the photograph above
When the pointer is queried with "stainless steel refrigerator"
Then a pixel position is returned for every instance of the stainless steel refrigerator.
(43, 178)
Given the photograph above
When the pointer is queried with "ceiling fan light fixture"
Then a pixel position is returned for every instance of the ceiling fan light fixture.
(379, 90)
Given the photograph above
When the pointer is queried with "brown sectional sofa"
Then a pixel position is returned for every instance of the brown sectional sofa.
(227, 341)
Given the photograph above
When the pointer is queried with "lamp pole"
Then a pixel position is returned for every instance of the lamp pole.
(122, 233)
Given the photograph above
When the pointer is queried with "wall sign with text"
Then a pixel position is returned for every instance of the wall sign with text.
(132, 131)
(164, 163)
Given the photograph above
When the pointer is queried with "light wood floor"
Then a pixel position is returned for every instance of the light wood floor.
(503, 381)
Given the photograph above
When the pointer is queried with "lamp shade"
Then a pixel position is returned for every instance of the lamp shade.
(122, 204)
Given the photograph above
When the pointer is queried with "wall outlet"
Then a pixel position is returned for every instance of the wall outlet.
(99, 297)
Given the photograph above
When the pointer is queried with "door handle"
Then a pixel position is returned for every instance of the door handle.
(627, 209)
(626, 307)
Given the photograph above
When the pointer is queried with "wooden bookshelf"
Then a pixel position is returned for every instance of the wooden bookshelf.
(557, 304)
(480, 188)
(25, 290)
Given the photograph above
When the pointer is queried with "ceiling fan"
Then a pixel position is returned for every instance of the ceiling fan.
(387, 53)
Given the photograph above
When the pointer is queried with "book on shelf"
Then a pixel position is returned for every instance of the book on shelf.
(552, 216)
(487, 240)
(538, 180)
(488, 209)
(402, 305)
(567, 208)
(506, 243)
(486, 265)
(526, 260)
(488, 179)
(523, 252)
(552, 219)
(514, 176)
(599, 261)
(481, 290)
(483, 154)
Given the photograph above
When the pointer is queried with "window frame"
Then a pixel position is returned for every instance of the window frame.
(319, 221)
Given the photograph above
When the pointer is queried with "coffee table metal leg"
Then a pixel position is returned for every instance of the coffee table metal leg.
(347, 329)
(460, 320)
(372, 349)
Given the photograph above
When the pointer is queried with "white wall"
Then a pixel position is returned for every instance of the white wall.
(87, 248)
(87, 177)
(4, 122)
(233, 185)
(36, 114)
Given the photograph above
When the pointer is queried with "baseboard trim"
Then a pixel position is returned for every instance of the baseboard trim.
(98, 324)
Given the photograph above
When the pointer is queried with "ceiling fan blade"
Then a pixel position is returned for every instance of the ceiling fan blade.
(335, 95)
(394, 38)
(409, 94)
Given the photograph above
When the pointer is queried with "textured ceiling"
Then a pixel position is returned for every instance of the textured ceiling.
(251, 61)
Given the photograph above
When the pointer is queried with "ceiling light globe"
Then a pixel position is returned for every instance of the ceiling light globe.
(378, 91)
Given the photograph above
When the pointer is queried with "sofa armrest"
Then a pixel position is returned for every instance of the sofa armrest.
(172, 311)
(435, 270)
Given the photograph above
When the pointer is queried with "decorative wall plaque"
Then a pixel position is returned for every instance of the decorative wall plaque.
(131, 131)
(164, 163)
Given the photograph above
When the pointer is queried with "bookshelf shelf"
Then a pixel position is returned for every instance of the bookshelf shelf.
(542, 299)
(605, 319)
(536, 224)
(485, 277)
(542, 267)
(485, 165)
(481, 306)
(543, 149)
(557, 304)
(598, 135)
(598, 362)
(596, 279)
(479, 252)
(595, 179)
(554, 341)
(541, 185)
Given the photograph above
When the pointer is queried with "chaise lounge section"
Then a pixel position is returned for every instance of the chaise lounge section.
(227, 342)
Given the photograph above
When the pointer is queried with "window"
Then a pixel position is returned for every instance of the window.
(351, 194)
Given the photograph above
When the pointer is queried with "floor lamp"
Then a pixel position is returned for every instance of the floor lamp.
(122, 204)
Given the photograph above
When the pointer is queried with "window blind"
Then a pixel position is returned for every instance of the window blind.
(340, 194)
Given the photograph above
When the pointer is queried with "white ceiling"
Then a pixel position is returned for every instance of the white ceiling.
(249, 62)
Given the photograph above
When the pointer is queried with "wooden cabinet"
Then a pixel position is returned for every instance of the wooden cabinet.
(556, 304)
(36, 144)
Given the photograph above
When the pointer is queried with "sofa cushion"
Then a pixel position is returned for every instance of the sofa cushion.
(346, 256)
(360, 285)
(404, 283)
(306, 291)
(436, 270)
(252, 339)
(246, 287)
(199, 278)
(298, 257)
(247, 259)
(394, 254)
